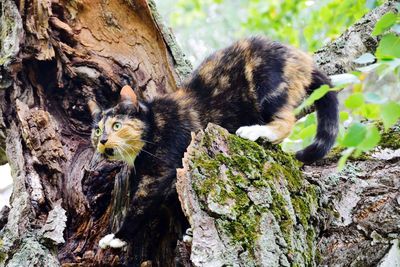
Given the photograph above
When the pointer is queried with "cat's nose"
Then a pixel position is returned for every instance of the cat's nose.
(103, 141)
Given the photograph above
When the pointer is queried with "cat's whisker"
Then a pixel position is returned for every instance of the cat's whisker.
(147, 141)
(145, 151)
(122, 146)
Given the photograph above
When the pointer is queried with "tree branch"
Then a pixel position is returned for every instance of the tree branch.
(337, 57)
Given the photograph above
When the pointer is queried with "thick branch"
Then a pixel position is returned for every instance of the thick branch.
(251, 205)
(337, 57)
(247, 205)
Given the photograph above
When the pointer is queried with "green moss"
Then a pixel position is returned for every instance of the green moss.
(238, 180)
(391, 138)
(336, 153)
(242, 168)
(242, 147)
(3, 255)
(258, 165)
(302, 210)
(206, 166)
(310, 237)
(244, 230)
(304, 204)
(279, 208)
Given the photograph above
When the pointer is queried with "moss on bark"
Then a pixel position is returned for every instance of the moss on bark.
(239, 182)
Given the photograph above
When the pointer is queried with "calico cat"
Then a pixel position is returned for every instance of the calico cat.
(250, 87)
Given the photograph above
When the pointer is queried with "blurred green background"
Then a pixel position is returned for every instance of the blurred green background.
(202, 26)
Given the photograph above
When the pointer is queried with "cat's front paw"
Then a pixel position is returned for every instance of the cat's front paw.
(111, 241)
(188, 236)
(256, 131)
(248, 132)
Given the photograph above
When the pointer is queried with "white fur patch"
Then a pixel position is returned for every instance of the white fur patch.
(188, 237)
(110, 241)
(117, 243)
(256, 131)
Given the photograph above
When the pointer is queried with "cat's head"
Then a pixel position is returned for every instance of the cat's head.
(118, 132)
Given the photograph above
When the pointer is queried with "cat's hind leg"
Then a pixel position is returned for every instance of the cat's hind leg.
(275, 131)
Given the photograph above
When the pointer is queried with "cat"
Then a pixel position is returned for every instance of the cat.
(251, 88)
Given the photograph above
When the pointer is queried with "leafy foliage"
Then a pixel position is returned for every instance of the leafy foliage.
(307, 24)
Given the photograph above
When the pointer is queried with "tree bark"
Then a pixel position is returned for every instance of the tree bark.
(252, 205)
(55, 56)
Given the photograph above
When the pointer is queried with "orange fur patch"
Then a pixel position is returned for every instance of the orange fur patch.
(298, 74)
(127, 142)
(283, 123)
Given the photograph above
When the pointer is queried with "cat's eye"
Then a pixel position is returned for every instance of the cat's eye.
(97, 131)
(116, 126)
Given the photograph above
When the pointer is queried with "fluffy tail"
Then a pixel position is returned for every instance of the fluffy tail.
(327, 117)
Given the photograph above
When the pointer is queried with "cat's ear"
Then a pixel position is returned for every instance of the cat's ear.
(128, 94)
(93, 108)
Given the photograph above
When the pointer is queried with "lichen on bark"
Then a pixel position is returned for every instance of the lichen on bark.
(262, 206)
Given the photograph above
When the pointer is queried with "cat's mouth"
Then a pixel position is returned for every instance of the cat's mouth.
(109, 152)
(115, 153)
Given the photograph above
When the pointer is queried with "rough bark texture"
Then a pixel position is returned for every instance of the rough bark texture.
(247, 205)
(56, 55)
(252, 205)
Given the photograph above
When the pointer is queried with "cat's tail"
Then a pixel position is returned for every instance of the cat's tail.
(327, 118)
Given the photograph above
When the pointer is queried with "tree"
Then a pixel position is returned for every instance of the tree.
(55, 56)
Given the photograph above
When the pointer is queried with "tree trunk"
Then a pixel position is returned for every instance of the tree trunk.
(55, 56)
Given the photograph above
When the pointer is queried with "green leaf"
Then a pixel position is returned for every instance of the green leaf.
(369, 67)
(371, 4)
(355, 135)
(308, 132)
(389, 47)
(390, 114)
(292, 146)
(317, 94)
(384, 23)
(371, 139)
(345, 78)
(370, 111)
(310, 119)
(345, 155)
(354, 101)
(388, 67)
(373, 98)
(344, 116)
(365, 59)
